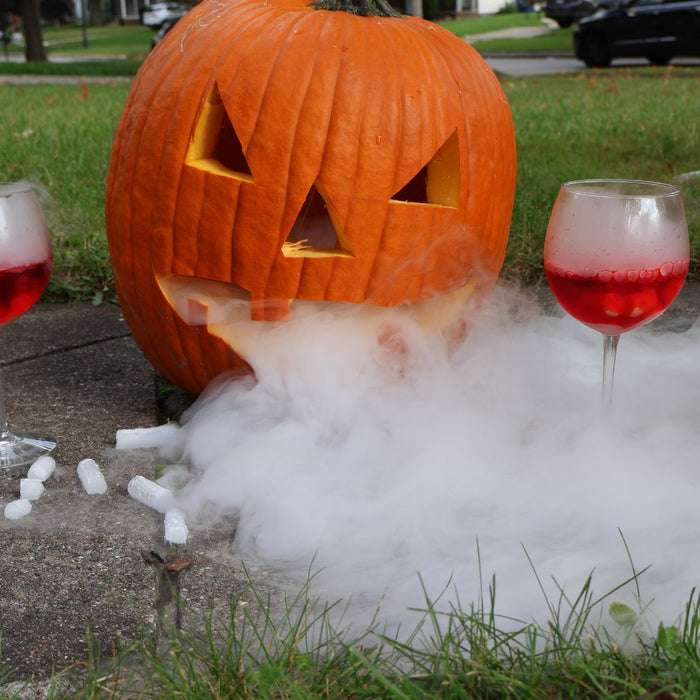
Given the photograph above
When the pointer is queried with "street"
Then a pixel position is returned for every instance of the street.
(520, 66)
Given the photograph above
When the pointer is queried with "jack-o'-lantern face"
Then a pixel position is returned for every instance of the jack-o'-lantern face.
(297, 154)
(320, 236)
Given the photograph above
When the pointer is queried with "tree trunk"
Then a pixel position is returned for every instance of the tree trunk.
(414, 8)
(33, 40)
(95, 13)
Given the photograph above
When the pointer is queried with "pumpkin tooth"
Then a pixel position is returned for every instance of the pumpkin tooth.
(438, 313)
(267, 309)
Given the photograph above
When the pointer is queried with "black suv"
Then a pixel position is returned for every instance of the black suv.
(652, 29)
(566, 12)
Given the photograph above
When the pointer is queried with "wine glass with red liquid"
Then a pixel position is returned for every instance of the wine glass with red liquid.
(25, 266)
(616, 255)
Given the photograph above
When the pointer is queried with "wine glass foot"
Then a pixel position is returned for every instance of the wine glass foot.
(22, 451)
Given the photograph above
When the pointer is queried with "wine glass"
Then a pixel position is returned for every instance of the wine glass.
(25, 266)
(616, 255)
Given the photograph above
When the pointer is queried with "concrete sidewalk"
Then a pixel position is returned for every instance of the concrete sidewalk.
(75, 562)
(544, 27)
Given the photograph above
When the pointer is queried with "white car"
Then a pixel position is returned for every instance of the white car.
(155, 15)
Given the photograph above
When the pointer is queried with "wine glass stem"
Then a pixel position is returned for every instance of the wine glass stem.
(4, 428)
(609, 355)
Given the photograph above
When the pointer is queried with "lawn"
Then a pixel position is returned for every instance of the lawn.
(480, 24)
(558, 41)
(609, 123)
(58, 137)
(130, 41)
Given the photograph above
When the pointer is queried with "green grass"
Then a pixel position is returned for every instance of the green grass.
(132, 41)
(117, 67)
(554, 41)
(558, 41)
(59, 137)
(254, 650)
(491, 23)
(626, 123)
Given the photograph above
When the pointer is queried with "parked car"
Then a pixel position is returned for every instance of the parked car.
(154, 16)
(652, 29)
(566, 12)
(164, 29)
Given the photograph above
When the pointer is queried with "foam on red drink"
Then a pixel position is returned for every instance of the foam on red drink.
(615, 301)
(21, 287)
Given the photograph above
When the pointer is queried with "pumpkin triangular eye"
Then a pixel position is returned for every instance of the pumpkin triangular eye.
(215, 145)
(316, 233)
(437, 182)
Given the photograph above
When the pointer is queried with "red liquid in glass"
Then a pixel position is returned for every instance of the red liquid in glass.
(21, 287)
(616, 301)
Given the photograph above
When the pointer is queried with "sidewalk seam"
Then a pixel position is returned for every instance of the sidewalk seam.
(59, 351)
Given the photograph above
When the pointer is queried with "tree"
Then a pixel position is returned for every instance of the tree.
(95, 15)
(31, 22)
(414, 7)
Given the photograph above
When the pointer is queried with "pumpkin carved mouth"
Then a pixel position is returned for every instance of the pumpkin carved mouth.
(227, 310)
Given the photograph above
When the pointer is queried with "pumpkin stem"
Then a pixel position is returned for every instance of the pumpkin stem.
(363, 8)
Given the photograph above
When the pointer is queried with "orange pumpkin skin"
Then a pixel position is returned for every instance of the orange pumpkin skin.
(347, 108)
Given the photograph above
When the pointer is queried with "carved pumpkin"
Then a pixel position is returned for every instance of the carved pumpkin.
(298, 153)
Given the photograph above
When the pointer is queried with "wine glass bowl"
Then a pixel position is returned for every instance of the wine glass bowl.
(25, 251)
(25, 266)
(616, 255)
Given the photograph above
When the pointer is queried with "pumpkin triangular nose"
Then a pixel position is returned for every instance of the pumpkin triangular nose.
(316, 232)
